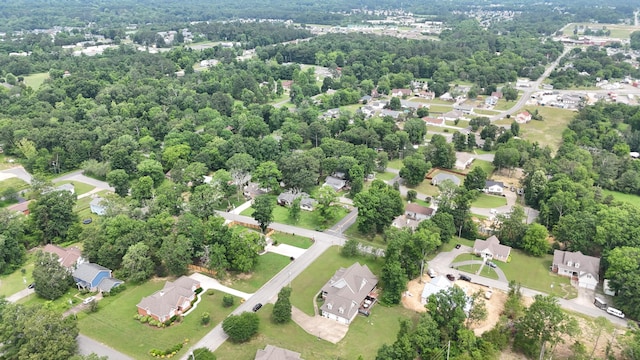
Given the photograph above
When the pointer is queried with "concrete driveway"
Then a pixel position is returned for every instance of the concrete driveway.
(78, 176)
(20, 295)
(325, 329)
(18, 172)
(211, 283)
(285, 250)
(499, 272)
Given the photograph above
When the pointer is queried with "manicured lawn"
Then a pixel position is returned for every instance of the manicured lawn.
(440, 108)
(489, 201)
(71, 298)
(630, 198)
(506, 105)
(487, 166)
(395, 164)
(549, 131)
(14, 282)
(473, 269)
(417, 201)
(451, 245)
(426, 188)
(35, 80)
(366, 239)
(466, 257)
(293, 240)
(114, 325)
(364, 338)
(308, 284)
(385, 176)
(80, 187)
(308, 219)
(13, 183)
(533, 272)
(485, 112)
(82, 206)
(269, 265)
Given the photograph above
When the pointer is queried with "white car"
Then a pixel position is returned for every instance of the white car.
(88, 300)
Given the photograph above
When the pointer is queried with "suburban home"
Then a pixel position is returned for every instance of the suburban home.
(286, 84)
(465, 109)
(497, 94)
(582, 268)
(403, 221)
(418, 212)
(491, 249)
(452, 115)
(493, 187)
(491, 101)
(94, 277)
(394, 114)
(308, 204)
(96, 206)
(463, 160)
(271, 352)
(22, 208)
(428, 95)
(433, 121)
(174, 299)
(347, 292)
(336, 183)
(69, 258)
(446, 97)
(523, 117)
(401, 92)
(287, 198)
(442, 176)
(365, 99)
(436, 285)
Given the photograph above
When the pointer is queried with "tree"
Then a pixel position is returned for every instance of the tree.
(299, 170)
(241, 328)
(240, 166)
(394, 280)
(142, 189)
(176, 253)
(506, 157)
(294, 209)
(53, 215)
(243, 249)
(377, 207)
(119, 179)
(268, 175)
(416, 129)
(203, 353)
(137, 265)
(51, 279)
(476, 179)
(152, 168)
(402, 348)
(394, 103)
(544, 323)
(414, 169)
(356, 176)
(12, 252)
(227, 301)
(440, 153)
(411, 195)
(509, 93)
(350, 248)
(534, 241)
(447, 310)
(478, 311)
(624, 278)
(205, 200)
(282, 308)
(601, 324)
(512, 227)
(515, 128)
(195, 173)
(36, 333)
(263, 206)
(326, 196)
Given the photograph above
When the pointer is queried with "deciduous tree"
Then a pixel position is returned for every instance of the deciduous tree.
(137, 265)
(282, 308)
(51, 279)
(414, 169)
(241, 328)
(263, 206)
(377, 207)
(53, 215)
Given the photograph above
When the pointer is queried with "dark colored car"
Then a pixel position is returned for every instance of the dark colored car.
(458, 246)
(451, 277)
(465, 277)
(31, 286)
(492, 264)
(87, 221)
(257, 307)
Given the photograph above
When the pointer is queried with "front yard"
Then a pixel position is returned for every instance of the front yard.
(115, 326)
(308, 219)
(16, 281)
(269, 265)
(489, 201)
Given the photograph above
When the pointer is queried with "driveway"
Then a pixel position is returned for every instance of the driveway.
(286, 250)
(211, 283)
(78, 176)
(87, 345)
(499, 272)
(18, 172)
(325, 329)
(20, 295)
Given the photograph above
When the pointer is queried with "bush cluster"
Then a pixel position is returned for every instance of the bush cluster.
(167, 353)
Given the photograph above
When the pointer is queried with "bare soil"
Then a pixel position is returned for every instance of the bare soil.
(503, 176)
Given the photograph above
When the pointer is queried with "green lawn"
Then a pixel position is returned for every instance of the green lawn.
(451, 245)
(13, 183)
(440, 108)
(308, 219)
(293, 240)
(485, 112)
(547, 132)
(506, 105)
(308, 284)
(14, 282)
(489, 201)
(269, 265)
(114, 325)
(630, 198)
(80, 187)
(487, 166)
(364, 338)
(375, 240)
(533, 273)
(35, 80)
(71, 298)
(466, 257)
(385, 176)
(395, 164)
(82, 206)
(487, 271)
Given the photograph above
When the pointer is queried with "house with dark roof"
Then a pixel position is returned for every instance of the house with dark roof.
(69, 258)
(22, 208)
(347, 292)
(491, 249)
(336, 183)
(442, 176)
(271, 352)
(418, 212)
(306, 202)
(493, 187)
(582, 268)
(174, 299)
(94, 277)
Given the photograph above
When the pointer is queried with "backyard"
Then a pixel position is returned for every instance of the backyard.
(80, 187)
(269, 265)
(308, 219)
(293, 240)
(630, 198)
(35, 80)
(16, 281)
(489, 201)
(114, 325)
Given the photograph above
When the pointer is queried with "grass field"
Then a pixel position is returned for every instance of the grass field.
(506, 105)
(269, 265)
(80, 187)
(114, 325)
(618, 31)
(395, 164)
(485, 112)
(630, 198)
(16, 281)
(364, 338)
(385, 176)
(549, 131)
(13, 183)
(487, 271)
(293, 240)
(82, 205)
(440, 108)
(308, 284)
(375, 240)
(35, 80)
(489, 201)
(487, 166)
(308, 219)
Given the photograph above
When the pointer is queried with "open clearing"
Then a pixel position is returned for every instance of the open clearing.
(35, 80)
(547, 132)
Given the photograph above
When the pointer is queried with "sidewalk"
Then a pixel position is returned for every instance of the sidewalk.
(242, 207)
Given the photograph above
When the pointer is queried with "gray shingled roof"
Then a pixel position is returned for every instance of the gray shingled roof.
(347, 289)
(587, 264)
(109, 283)
(271, 352)
(170, 297)
(86, 272)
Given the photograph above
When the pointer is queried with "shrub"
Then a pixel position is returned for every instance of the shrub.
(227, 301)
(199, 290)
(203, 354)
(206, 318)
(167, 352)
(210, 292)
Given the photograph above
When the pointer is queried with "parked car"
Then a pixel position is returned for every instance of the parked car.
(488, 294)
(257, 307)
(458, 246)
(450, 277)
(432, 273)
(87, 221)
(88, 300)
(465, 277)
(31, 286)
(492, 264)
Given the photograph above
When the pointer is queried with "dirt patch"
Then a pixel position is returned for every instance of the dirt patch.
(411, 297)
(503, 176)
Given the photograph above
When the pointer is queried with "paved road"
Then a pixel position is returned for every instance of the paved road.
(20, 295)
(344, 223)
(87, 345)
(323, 241)
(78, 176)
(18, 172)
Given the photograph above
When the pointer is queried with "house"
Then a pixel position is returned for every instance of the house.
(69, 258)
(491, 101)
(403, 221)
(493, 187)
(523, 117)
(433, 121)
(463, 160)
(428, 95)
(174, 299)
(497, 94)
(271, 352)
(22, 208)
(452, 115)
(606, 288)
(436, 285)
(308, 204)
(446, 97)
(97, 207)
(94, 277)
(464, 109)
(392, 113)
(418, 212)
(365, 99)
(64, 187)
(585, 269)
(442, 176)
(287, 198)
(347, 291)
(286, 84)
(336, 183)
(401, 92)
(491, 249)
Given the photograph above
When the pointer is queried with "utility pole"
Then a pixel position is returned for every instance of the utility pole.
(448, 348)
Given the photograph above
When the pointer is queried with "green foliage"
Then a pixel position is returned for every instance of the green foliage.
(475, 179)
(51, 279)
(203, 354)
(377, 207)
(414, 169)
(263, 214)
(534, 241)
(350, 248)
(227, 300)
(137, 265)
(52, 214)
(169, 352)
(622, 272)
(281, 313)
(241, 328)
(12, 252)
(205, 319)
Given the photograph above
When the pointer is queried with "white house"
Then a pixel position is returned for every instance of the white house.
(418, 212)
(463, 160)
(523, 117)
(582, 268)
(436, 285)
(493, 187)
(491, 249)
(97, 207)
(347, 292)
